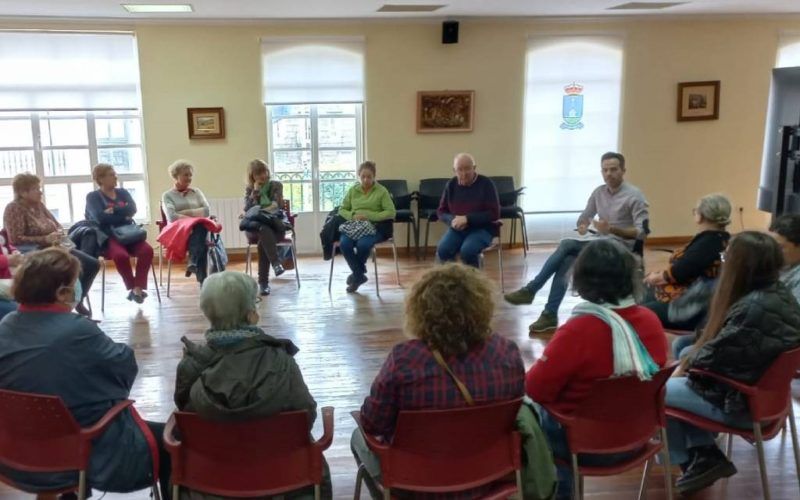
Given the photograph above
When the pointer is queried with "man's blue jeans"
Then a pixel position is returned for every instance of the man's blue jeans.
(557, 266)
(681, 435)
(469, 243)
(356, 252)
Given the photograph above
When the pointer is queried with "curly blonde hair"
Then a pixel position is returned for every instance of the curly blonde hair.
(450, 309)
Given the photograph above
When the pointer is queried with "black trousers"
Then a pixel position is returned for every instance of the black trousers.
(198, 251)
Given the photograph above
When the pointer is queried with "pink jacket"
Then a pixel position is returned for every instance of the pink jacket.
(175, 236)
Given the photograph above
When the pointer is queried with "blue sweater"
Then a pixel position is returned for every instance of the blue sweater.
(124, 209)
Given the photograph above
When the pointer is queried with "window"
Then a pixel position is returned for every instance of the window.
(313, 90)
(62, 146)
(572, 111)
(67, 102)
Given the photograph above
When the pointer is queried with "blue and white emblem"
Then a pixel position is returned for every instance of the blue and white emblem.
(572, 107)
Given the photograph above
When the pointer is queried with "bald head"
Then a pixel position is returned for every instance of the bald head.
(465, 168)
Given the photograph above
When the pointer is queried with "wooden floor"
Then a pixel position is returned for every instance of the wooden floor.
(343, 340)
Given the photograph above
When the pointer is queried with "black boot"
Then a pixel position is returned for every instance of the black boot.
(708, 466)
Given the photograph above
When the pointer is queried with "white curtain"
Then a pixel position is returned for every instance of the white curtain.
(64, 70)
(312, 70)
(788, 51)
(572, 113)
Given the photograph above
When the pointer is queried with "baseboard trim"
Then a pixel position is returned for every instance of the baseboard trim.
(667, 240)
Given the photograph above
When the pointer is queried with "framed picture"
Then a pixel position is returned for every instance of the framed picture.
(445, 111)
(698, 101)
(206, 123)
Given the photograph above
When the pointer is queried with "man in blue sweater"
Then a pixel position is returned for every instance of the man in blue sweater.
(471, 209)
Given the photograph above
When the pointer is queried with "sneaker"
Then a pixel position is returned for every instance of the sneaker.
(190, 269)
(350, 279)
(521, 296)
(264, 289)
(709, 466)
(546, 323)
(357, 282)
(278, 269)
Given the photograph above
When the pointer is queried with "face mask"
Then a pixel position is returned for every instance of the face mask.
(77, 295)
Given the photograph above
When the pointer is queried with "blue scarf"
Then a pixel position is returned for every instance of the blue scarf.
(223, 338)
(630, 356)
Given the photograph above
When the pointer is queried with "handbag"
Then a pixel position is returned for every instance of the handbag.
(356, 229)
(461, 387)
(128, 234)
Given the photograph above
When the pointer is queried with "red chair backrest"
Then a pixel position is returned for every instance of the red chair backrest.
(773, 389)
(620, 414)
(39, 434)
(266, 456)
(163, 222)
(451, 450)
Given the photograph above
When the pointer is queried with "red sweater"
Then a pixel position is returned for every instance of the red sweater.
(581, 352)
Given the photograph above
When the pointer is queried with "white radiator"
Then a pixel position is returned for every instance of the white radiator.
(228, 211)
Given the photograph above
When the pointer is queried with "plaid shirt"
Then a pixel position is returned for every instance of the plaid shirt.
(410, 379)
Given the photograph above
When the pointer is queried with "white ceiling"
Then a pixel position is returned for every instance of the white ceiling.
(332, 9)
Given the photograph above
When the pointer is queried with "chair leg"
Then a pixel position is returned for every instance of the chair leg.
(158, 290)
(330, 276)
(762, 466)
(176, 491)
(408, 238)
(643, 483)
(500, 260)
(524, 235)
(102, 285)
(294, 261)
(169, 275)
(387, 494)
(427, 232)
(667, 463)
(518, 475)
(512, 237)
(317, 492)
(247, 266)
(359, 479)
(160, 263)
(156, 492)
(729, 447)
(793, 429)
(375, 265)
(82, 485)
(396, 264)
(576, 479)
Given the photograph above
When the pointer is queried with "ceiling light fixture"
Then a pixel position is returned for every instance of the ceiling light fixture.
(141, 8)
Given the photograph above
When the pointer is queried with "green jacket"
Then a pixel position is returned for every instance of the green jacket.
(538, 469)
(377, 205)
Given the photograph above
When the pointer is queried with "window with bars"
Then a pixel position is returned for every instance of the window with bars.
(314, 151)
(61, 147)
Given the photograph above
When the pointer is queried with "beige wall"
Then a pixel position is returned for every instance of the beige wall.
(673, 163)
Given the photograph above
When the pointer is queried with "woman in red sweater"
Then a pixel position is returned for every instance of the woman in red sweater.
(581, 351)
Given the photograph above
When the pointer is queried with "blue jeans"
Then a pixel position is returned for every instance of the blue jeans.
(681, 435)
(558, 266)
(356, 252)
(557, 439)
(681, 346)
(469, 243)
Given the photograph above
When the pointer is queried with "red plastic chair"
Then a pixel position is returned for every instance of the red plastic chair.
(39, 434)
(441, 451)
(252, 458)
(770, 403)
(620, 415)
(287, 241)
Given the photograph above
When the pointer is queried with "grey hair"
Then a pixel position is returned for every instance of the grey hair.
(227, 298)
(466, 156)
(179, 166)
(715, 208)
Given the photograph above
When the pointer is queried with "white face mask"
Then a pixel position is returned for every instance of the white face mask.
(77, 294)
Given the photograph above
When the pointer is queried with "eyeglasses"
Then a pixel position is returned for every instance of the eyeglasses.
(722, 256)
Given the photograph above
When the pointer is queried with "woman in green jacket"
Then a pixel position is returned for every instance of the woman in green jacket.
(370, 202)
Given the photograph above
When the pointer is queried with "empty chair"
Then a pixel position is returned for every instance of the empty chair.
(447, 451)
(402, 203)
(428, 197)
(510, 209)
(253, 458)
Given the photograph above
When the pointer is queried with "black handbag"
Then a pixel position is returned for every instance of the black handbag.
(128, 234)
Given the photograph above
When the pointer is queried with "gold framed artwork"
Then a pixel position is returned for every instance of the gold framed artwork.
(445, 111)
(206, 123)
(698, 101)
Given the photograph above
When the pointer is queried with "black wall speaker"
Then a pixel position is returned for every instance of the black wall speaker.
(450, 32)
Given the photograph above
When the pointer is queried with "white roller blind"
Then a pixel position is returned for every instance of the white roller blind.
(318, 70)
(788, 51)
(572, 113)
(52, 70)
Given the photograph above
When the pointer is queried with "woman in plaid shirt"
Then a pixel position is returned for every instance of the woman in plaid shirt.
(450, 310)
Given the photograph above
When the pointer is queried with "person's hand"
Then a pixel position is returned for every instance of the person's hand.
(602, 226)
(109, 210)
(53, 237)
(655, 278)
(459, 222)
(582, 228)
(15, 259)
(360, 217)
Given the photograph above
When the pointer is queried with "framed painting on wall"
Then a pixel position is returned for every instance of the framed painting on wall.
(206, 123)
(445, 111)
(698, 101)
